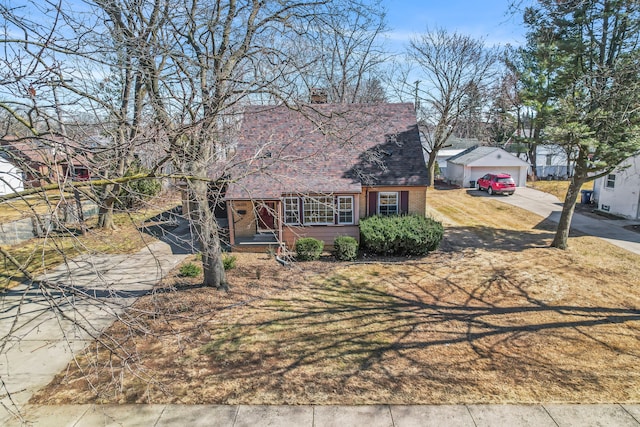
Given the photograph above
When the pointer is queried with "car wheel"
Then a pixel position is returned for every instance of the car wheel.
(490, 190)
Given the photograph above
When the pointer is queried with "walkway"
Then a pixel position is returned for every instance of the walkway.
(334, 416)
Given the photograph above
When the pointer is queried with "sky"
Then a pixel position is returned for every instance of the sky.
(482, 19)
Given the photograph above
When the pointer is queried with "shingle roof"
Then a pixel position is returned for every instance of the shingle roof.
(471, 154)
(326, 148)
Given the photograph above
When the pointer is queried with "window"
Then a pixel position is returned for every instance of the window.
(291, 210)
(318, 210)
(611, 181)
(345, 210)
(388, 203)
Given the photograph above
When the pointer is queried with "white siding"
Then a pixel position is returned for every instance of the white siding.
(624, 198)
(498, 161)
(454, 173)
(10, 178)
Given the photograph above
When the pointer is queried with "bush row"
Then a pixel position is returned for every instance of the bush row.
(398, 235)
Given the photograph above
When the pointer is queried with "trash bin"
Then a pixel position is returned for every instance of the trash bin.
(586, 197)
(472, 184)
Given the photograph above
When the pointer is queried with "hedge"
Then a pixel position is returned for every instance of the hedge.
(400, 234)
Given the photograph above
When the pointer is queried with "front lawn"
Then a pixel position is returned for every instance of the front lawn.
(494, 316)
(557, 188)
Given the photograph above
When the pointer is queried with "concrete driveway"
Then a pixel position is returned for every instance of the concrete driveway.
(549, 207)
(42, 326)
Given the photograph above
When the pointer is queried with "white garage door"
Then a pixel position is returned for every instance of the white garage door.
(514, 171)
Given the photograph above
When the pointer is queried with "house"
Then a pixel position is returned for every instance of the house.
(453, 146)
(315, 172)
(45, 160)
(10, 177)
(465, 168)
(552, 162)
(619, 192)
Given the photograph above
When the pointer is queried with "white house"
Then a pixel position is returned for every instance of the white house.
(476, 162)
(551, 161)
(444, 155)
(11, 177)
(619, 192)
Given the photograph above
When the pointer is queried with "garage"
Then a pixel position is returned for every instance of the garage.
(476, 162)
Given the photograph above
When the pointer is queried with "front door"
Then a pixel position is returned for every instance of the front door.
(266, 216)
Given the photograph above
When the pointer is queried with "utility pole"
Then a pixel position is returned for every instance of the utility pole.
(416, 100)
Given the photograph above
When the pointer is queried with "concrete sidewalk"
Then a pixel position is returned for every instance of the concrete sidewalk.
(552, 415)
(549, 207)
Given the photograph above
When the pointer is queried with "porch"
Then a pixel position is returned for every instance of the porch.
(259, 242)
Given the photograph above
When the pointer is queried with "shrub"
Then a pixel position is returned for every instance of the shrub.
(400, 235)
(345, 248)
(229, 261)
(190, 270)
(308, 249)
(133, 193)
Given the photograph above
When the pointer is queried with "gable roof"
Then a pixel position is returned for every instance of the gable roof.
(473, 154)
(326, 148)
(40, 151)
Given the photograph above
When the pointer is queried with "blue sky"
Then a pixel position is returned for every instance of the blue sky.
(486, 19)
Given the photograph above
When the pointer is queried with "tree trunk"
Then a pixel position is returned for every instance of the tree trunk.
(105, 213)
(561, 238)
(208, 236)
(431, 167)
(533, 160)
(80, 213)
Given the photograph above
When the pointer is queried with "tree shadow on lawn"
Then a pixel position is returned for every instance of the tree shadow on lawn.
(420, 344)
(486, 237)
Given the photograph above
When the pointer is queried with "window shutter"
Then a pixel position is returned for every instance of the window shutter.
(404, 202)
(373, 203)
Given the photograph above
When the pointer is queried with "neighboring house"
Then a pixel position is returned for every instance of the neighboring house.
(551, 162)
(453, 146)
(443, 156)
(465, 168)
(619, 192)
(316, 172)
(10, 177)
(551, 159)
(43, 161)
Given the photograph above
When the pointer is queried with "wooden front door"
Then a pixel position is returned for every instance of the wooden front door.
(266, 216)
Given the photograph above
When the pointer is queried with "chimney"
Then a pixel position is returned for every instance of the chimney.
(318, 96)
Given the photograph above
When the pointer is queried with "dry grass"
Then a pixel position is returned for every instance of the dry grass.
(494, 316)
(39, 203)
(557, 188)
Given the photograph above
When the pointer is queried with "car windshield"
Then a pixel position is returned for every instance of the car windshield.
(506, 180)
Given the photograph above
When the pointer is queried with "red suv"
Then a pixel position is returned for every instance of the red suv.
(501, 183)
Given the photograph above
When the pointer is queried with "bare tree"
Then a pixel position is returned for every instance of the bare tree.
(347, 40)
(454, 73)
